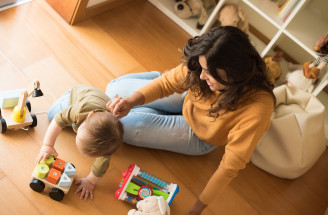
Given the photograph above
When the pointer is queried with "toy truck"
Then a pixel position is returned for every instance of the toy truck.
(137, 184)
(15, 108)
(57, 174)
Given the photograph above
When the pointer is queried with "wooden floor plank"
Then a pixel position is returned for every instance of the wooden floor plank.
(14, 202)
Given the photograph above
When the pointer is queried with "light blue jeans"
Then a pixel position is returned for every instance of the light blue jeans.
(59, 105)
(157, 125)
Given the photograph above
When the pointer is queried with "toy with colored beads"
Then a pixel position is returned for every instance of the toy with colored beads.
(137, 184)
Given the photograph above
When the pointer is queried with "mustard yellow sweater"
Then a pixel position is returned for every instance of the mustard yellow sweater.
(239, 131)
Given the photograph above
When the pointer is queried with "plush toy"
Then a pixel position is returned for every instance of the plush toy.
(233, 15)
(298, 80)
(152, 205)
(312, 69)
(273, 67)
(321, 45)
(194, 8)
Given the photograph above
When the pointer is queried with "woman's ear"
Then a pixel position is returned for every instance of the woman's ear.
(91, 113)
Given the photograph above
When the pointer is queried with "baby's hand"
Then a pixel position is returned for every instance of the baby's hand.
(45, 152)
(86, 188)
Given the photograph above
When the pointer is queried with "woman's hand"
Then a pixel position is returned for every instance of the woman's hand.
(85, 187)
(45, 152)
(197, 208)
(119, 107)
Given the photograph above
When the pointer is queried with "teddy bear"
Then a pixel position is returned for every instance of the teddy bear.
(312, 69)
(231, 14)
(274, 70)
(151, 205)
(293, 76)
(194, 8)
(298, 80)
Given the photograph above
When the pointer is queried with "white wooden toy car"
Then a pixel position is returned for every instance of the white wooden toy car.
(15, 108)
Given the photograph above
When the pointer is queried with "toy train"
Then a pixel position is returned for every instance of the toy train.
(56, 174)
(137, 184)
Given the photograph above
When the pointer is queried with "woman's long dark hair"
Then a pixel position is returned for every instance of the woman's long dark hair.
(230, 49)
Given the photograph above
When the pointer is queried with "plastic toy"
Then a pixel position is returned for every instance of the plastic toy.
(154, 205)
(15, 108)
(56, 174)
(137, 184)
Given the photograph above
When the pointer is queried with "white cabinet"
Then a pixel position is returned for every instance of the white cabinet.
(296, 36)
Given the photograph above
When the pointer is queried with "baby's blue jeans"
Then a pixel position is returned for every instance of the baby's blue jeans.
(59, 105)
(157, 125)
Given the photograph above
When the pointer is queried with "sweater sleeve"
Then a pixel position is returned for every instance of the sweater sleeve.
(242, 140)
(100, 165)
(165, 85)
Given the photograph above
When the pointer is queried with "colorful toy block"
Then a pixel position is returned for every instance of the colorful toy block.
(64, 181)
(69, 169)
(53, 176)
(49, 160)
(41, 170)
(59, 164)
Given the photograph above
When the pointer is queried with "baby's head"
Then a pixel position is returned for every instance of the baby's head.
(100, 134)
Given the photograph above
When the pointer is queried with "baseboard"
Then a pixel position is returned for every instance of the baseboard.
(74, 11)
(83, 14)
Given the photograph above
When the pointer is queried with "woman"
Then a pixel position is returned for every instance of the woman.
(229, 102)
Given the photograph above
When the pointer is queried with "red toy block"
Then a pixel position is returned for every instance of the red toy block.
(59, 164)
(54, 176)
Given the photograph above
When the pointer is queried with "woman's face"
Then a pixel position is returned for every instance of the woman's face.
(206, 76)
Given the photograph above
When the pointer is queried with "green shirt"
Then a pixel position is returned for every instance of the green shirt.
(83, 100)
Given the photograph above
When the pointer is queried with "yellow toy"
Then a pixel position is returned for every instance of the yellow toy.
(15, 108)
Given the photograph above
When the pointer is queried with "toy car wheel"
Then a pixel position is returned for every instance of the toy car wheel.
(35, 121)
(28, 105)
(3, 125)
(56, 194)
(37, 185)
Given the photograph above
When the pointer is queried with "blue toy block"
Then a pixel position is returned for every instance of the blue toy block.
(69, 169)
(64, 181)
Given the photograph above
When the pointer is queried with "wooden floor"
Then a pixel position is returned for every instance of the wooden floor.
(36, 43)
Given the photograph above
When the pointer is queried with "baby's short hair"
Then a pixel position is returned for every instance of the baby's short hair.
(104, 134)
